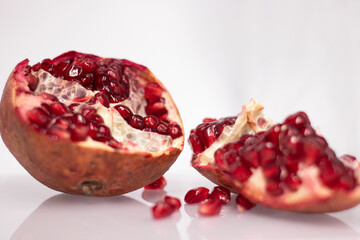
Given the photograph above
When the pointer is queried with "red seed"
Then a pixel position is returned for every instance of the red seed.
(38, 116)
(58, 108)
(162, 210)
(173, 201)
(195, 143)
(209, 120)
(47, 65)
(211, 207)
(157, 184)
(175, 130)
(153, 92)
(137, 122)
(162, 128)
(221, 193)
(151, 121)
(292, 181)
(274, 188)
(79, 133)
(243, 203)
(102, 99)
(196, 195)
(75, 71)
(124, 111)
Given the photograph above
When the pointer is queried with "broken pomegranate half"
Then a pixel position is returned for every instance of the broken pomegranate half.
(83, 124)
(287, 166)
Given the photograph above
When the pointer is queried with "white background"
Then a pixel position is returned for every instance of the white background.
(213, 56)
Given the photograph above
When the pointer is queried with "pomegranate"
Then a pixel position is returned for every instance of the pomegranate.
(83, 124)
(287, 166)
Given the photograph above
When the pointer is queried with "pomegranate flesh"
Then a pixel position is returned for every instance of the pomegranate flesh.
(84, 124)
(287, 166)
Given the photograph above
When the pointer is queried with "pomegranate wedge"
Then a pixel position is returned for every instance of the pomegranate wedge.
(287, 166)
(84, 124)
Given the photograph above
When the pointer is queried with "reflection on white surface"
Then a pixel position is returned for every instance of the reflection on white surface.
(153, 196)
(76, 217)
(262, 223)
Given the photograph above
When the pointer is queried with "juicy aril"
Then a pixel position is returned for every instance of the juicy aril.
(286, 166)
(83, 124)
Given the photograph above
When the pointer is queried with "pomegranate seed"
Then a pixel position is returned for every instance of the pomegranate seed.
(268, 154)
(209, 120)
(157, 184)
(115, 87)
(36, 67)
(157, 108)
(73, 106)
(162, 210)
(274, 188)
(86, 79)
(243, 204)
(32, 82)
(88, 65)
(299, 119)
(211, 207)
(293, 182)
(250, 157)
(62, 67)
(162, 128)
(137, 122)
(79, 133)
(272, 172)
(96, 118)
(195, 143)
(175, 130)
(221, 193)
(174, 202)
(88, 113)
(241, 173)
(124, 111)
(50, 97)
(78, 120)
(153, 92)
(196, 195)
(58, 108)
(62, 123)
(102, 99)
(99, 132)
(47, 65)
(38, 116)
(58, 132)
(75, 71)
(151, 121)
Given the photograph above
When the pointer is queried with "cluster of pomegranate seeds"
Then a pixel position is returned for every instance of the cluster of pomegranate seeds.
(157, 184)
(61, 122)
(149, 123)
(281, 151)
(206, 133)
(210, 204)
(166, 207)
(109, 79)
(104, 75)
(155, 102)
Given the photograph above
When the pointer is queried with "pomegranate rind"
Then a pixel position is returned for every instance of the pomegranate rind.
(311, 197)
(75, 167)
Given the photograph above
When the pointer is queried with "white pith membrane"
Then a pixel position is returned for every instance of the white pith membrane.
(69, 92)
(311, 189)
